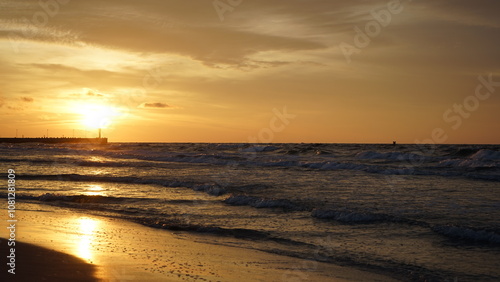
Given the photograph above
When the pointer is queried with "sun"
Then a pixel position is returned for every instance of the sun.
(97, 115)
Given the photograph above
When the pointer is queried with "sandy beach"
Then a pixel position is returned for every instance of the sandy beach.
(66, 245)
(45, 264)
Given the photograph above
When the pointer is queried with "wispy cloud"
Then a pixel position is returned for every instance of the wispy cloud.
(27, 99)
(94, 93)
(157, 105)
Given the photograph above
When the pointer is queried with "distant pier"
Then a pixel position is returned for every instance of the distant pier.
(61, 140)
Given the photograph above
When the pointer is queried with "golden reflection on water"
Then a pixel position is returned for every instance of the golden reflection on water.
(87, 228)
(94, 190)
(97, 172)
(96, 159)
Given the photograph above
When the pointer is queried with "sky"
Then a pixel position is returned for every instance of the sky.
(421, 71)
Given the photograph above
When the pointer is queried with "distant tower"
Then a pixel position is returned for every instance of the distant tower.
(99, 133)
(393, 142)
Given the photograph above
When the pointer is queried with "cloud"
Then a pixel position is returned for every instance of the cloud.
(464, 12)
(14, 108)
(195, 31)
(158, 105)
(27, 99)
(94, 93)
(263, 55)
(198, 33)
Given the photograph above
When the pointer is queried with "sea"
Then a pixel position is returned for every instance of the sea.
(415, 212)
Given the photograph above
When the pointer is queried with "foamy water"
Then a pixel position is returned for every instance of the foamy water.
(421, 212)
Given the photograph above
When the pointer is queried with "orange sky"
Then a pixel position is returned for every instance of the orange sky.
(252, 71)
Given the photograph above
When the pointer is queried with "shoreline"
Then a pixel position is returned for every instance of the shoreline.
(119, 250)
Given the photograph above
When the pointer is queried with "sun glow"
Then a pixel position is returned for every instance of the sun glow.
(97, 115)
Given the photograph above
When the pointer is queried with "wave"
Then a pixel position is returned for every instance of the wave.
(310, 151)
(212, 189)
(480, 164)
(486, 177)
(323, 152)
(260, 148)
(288, 163)
(335, 166)
(347, 216)
(83, 199)
(227, 146)
(257, 202)
(241, 233)
(485, 154)
(468, 234)
(351, 216)
(13, 160)
(371, 155)
(463, 152)
(468, 163)
(479, 160)
(213, 159)
(162, 221)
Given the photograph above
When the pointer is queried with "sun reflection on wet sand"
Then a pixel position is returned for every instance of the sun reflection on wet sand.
(87, 229)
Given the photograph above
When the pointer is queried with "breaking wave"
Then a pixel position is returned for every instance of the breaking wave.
(256, 202)
(468, 234)
(351, 216)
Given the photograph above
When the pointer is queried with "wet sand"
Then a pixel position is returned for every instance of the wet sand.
(91, 247)
(44, 265)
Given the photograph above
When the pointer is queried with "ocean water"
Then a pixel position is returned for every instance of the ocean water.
(418, 212)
